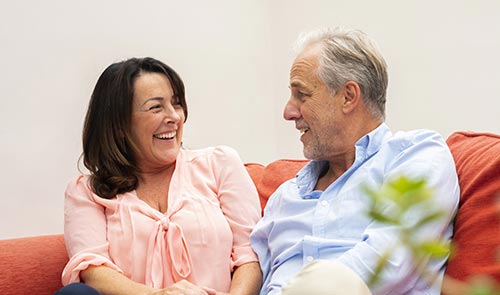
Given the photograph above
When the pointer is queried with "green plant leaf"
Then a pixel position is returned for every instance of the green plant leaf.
(382, 262)
(382, 217)
(435, 249)
(482, 290)
(429, 218)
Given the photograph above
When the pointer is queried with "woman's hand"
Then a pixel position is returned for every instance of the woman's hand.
(181, 288)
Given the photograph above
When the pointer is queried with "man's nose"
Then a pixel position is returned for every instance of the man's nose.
(291, 111)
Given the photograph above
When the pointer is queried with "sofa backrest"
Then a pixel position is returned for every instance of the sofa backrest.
(477, 227)
(34, 265)
(268, 178)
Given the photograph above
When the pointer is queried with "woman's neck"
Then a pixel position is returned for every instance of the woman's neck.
(154, 186)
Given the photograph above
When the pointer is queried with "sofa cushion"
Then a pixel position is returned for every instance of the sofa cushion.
(256, 171)
(477, 229)
(274, 174)
(32, 265)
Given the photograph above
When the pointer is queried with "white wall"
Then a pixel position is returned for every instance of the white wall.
(443, 58)
(234, 57)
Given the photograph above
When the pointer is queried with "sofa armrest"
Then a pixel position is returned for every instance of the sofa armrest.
(32, 265)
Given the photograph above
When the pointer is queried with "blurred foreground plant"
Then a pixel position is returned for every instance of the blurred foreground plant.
(406, 204)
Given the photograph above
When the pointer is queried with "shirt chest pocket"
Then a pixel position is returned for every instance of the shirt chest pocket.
(349, 215)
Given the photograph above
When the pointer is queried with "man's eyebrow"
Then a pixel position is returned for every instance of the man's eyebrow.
(296, 84)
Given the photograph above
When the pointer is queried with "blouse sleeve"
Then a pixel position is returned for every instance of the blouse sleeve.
(84, 230)
(239, 201)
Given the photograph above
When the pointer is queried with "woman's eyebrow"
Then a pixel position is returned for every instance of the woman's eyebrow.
(153, 99)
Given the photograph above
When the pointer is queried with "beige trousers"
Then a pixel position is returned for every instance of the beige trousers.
(324, 277)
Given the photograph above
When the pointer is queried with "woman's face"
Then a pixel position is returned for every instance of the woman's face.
(157, 122)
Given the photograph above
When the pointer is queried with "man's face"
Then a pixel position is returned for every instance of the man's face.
(316, 111)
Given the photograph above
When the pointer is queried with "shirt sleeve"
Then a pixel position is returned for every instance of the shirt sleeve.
(260, 240)
(239, 202)
(424, 155)
(84, 230)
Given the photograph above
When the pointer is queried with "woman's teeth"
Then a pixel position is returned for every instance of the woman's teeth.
(168, 135)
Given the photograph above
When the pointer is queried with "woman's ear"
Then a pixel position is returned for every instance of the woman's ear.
(352, 96)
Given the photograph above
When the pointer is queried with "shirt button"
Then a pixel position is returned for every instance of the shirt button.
(324, 203)
(309, 258)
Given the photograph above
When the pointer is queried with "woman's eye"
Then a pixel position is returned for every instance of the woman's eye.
(175, 101)
(154, 107)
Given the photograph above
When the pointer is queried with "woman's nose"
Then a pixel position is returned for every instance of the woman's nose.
(171, 114)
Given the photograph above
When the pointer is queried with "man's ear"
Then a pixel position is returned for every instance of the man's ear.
(352, 96)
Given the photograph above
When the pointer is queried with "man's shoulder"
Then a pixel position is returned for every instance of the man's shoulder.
(416, 152)
(406, 139)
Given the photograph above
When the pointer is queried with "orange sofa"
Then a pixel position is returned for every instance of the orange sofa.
(33, 265)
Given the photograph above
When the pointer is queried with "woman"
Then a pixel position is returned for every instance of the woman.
(153, 218)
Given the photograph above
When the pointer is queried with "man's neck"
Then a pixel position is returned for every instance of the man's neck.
(334, 170)
(341, 163)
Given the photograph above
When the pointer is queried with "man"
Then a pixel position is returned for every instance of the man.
(338, 86)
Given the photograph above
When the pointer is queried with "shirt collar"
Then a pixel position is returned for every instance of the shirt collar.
(368, 145)
(308, 175)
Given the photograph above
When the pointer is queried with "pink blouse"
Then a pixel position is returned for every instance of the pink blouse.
(212, 208)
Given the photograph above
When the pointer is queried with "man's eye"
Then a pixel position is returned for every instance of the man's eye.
(301, 95)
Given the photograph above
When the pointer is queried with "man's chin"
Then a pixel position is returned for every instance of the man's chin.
(308, 154)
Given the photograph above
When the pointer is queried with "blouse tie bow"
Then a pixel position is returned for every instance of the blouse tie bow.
(167, 251)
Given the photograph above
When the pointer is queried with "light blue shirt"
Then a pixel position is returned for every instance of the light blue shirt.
(301, 224)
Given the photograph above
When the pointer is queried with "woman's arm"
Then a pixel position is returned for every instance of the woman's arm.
(85, 228)
(247, 279)
(110, 282)
(239, 201)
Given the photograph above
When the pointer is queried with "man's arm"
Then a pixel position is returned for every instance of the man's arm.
(426, 156)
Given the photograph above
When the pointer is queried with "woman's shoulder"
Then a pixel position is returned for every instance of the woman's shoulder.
(79, 188)
(81, 181)
(214, 153)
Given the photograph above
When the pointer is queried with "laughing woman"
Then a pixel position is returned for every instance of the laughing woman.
(152, 217)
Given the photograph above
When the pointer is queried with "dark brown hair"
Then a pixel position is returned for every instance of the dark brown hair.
(107, 148)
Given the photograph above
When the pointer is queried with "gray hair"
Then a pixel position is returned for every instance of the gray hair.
(350, 56)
